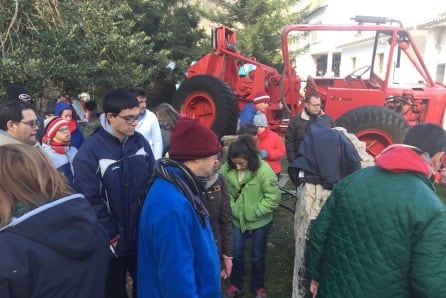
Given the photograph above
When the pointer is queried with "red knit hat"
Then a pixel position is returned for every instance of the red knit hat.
(261, 97)
(52, 125)
(192, 140)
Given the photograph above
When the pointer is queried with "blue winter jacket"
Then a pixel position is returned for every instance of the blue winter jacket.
(62, 162)
(246, 115)
(111, 175)
(54, 251)
(177, 256)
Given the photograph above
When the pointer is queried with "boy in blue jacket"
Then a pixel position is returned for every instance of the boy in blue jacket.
(110, 169)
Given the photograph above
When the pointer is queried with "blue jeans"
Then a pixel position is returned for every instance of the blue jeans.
(258, 251)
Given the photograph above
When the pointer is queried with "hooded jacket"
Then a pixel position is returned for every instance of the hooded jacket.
(254, 198)
(382, 232)
(247, 115)
(77, 136)
(177, 253)
(111, 175)
(56, 250)
(272, 143)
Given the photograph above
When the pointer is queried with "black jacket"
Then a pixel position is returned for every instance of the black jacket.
(56, 250)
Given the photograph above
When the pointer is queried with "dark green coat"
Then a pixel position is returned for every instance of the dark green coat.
(380, 234)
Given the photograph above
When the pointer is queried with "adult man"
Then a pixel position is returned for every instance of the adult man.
(18, 123)
(297, 128)
(16, 92)
(258, 105)
(177, 254)
(110, 169)
(148, 124)
(382, 231)
(311, 195)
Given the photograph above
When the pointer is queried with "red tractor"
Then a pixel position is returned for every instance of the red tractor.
(372, 101)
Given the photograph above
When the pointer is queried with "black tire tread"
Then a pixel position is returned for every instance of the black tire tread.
(375, 117)
(224, 99)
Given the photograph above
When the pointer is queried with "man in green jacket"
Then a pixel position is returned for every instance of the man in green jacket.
(382, 231)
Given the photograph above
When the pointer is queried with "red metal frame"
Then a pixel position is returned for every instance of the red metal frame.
(339, 95)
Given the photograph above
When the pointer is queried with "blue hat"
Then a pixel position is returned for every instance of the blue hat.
(260, 120)
(62, 106)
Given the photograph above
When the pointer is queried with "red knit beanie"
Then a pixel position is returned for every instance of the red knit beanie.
(192, 140)
(260, 97)
(52, 125)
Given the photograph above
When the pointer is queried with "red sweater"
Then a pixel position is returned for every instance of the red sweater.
(272, 143)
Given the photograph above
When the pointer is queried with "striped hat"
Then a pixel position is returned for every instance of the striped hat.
(52, 125)
(261, 97)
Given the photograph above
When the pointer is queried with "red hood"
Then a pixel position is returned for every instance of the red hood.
(402, 158)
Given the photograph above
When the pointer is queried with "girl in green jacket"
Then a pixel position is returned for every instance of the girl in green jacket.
(254, 194)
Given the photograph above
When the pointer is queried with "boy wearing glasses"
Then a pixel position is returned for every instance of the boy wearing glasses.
(18, 123)
(110, 169)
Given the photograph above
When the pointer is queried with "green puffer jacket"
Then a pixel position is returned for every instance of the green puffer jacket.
(380, 234)
(260, 196)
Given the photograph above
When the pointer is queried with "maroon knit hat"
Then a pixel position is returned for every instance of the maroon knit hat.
(192, 140)
(260, 97)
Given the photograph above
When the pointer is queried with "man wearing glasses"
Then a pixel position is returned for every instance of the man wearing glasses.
(110, 169)
(18, 123)
(16, 92)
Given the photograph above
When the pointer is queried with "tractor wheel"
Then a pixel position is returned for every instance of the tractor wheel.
(378, 127)
(211, 100)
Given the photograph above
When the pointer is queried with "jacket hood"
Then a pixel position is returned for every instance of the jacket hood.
(67, 225)
(61, 106)
(403, 158)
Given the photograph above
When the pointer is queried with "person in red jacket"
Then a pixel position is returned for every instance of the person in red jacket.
(270, 144)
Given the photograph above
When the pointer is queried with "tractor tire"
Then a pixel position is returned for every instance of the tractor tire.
(377, 126)
(211, 100)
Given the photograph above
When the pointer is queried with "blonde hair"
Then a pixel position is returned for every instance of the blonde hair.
(28, 179)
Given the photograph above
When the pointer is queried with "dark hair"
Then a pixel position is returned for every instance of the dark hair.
(245, 147)
(310, 96)
(48, 108)
(12, 110)
(117, 100)
(428, 137)
(138, 91)
(249, 129)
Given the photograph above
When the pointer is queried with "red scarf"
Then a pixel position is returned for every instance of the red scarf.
(61, 148)
(72, 125)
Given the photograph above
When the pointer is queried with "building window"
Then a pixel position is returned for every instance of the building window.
(439, 77)
(321, 65)
(336, 63)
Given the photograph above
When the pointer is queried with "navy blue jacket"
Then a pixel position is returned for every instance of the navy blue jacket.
(57, 250)
(111, 175)
(319, 155)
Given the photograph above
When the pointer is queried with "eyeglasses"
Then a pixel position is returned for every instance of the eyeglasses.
(128, 119)
(32, 123)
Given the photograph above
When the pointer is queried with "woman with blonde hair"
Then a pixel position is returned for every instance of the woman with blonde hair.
(50, 239)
